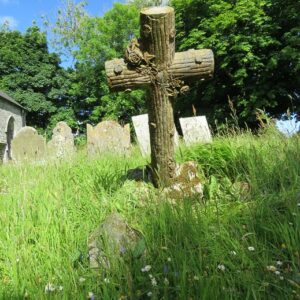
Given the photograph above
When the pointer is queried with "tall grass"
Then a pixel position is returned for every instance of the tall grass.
(218, 247)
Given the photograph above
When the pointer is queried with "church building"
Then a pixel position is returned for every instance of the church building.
(12, 119)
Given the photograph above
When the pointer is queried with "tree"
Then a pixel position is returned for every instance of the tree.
(256, 47)
(32, 75)
(92, 41)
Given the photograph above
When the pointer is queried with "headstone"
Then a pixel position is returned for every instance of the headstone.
(195, 130)
(108, 136)
(141, 128)
(28, 145)
(112, 237)
(62, 142)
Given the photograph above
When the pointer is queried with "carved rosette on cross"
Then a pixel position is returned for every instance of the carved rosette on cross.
(151, 63)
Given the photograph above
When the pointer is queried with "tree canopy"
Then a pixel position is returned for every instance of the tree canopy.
(257, 60)
(91, 43)
(32, 75)
(256, 46)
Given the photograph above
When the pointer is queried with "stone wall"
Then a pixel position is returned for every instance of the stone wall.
(2, 152)
(8, 110)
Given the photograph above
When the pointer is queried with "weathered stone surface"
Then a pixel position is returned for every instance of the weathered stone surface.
(113, 237)
(12, 119)
(195, 130)
(28, 145)
(108, 136)
(62, 142)
(186, 183)
(141, 127)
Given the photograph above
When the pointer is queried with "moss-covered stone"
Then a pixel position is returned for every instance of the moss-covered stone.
(186, 183)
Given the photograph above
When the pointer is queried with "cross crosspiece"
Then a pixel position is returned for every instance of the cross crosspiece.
(152, 63)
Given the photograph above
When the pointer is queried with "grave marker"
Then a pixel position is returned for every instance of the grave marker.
(153, 64)
(108, 137)
(62, 142)
(195, 130)
(28, 145)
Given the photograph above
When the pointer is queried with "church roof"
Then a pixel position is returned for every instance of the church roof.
(9, 99)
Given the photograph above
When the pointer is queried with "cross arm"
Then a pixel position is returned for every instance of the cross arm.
(191, 64)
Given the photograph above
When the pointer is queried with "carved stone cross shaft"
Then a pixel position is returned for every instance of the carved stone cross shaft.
(152, 63)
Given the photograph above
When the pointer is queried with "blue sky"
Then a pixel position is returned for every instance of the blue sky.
(21, 13)
(289, 127)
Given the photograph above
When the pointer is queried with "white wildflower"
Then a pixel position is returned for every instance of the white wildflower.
(279, 263)
(196, 278)
(149, 294)
(146, 268)
(271, 268)
(277, 272)
(81, 279)
(169, 259)
(233, 253)
(221, 267)
(166, 281)
(106, 280)
(150, 276)
(251, 248)
(49, 288)
(281, 277)
(60, 288)
(153, 282)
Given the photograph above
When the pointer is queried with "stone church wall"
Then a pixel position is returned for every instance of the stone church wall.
(8, 110)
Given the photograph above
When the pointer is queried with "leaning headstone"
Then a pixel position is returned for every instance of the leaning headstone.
(28, 145)
(195, 130)
(62, 142)
(113, 237)
(141, 127)
(108, 136)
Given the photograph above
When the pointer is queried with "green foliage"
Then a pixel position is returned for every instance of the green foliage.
(219, 247)
(256, 47)
(93, 41)
(32, 75)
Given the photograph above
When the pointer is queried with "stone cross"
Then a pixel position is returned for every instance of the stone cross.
(151, 63)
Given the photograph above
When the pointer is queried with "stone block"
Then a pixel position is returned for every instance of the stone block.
(108, 137)
(195, 130)
(28, 145)
(62, 142)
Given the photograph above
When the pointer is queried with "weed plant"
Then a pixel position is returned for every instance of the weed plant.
(240, 241)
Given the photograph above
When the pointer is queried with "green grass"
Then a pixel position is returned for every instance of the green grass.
(251, 199)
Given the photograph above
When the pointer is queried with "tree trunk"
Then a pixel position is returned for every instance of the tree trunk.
(158, 37)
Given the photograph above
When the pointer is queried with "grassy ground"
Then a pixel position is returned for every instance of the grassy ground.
(241, 241)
